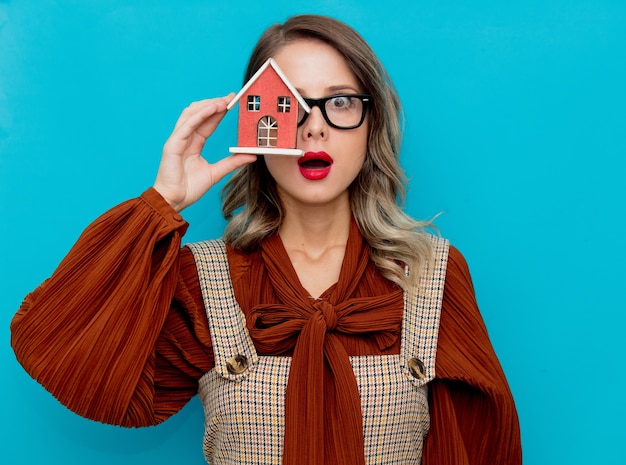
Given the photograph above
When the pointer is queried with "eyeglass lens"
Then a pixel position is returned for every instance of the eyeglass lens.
(342, 111)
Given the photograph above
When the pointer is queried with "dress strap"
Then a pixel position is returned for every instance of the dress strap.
(233, 349)
(422, 312)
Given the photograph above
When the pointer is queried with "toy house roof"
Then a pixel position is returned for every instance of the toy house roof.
(272, 63)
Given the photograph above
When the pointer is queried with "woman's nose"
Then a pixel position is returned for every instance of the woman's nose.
(314, 125)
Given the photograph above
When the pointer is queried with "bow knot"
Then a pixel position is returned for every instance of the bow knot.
(328, 312)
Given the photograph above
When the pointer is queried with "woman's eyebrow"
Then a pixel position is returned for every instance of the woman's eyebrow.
(342, 87)
(334, 89)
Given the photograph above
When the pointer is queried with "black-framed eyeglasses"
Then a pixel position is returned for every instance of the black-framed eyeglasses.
(340, 111)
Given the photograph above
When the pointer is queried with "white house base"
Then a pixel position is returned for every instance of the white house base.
(267, 151)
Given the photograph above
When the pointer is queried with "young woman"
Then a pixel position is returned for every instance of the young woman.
(326, 327)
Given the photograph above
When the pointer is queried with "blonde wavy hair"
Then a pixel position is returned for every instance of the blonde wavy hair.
(251, 203)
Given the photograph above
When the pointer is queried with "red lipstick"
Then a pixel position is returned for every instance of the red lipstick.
(315, 165)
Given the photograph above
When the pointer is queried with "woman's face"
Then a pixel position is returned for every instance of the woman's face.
(333, 157)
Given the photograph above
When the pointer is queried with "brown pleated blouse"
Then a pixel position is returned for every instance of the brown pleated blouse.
(119, 334)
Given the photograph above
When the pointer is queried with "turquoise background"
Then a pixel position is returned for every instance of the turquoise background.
(515, 130)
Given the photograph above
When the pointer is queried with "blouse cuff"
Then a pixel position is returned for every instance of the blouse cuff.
(156, 201)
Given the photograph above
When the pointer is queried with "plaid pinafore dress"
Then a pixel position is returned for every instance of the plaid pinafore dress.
(243, 396)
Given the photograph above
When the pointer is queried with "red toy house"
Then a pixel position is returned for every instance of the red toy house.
(268, 113)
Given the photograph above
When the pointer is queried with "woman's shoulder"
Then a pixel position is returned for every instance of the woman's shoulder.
(443, 248)
(456, 259)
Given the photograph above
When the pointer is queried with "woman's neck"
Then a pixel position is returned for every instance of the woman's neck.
(315, 239)
(315, 229)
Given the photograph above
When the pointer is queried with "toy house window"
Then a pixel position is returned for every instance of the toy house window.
(267, 134)
(284, 104)
(254, 103)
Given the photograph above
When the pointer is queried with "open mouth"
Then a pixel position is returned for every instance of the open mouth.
(315, 165)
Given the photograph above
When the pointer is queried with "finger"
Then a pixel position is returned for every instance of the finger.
(197, 122)
(198, 127)
(229, 164)
(192, 118)
(209, 125)
(200, 106)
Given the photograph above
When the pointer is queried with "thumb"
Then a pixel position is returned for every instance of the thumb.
(229, 164)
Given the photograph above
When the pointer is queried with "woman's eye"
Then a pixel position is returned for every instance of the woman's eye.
(340, 102)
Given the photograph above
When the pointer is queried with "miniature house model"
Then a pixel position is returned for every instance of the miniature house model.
(268, 113)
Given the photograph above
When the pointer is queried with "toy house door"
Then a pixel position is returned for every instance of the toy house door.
(267, 132)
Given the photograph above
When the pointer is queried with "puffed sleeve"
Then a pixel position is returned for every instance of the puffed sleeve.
(473, 416)
(118, 333)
